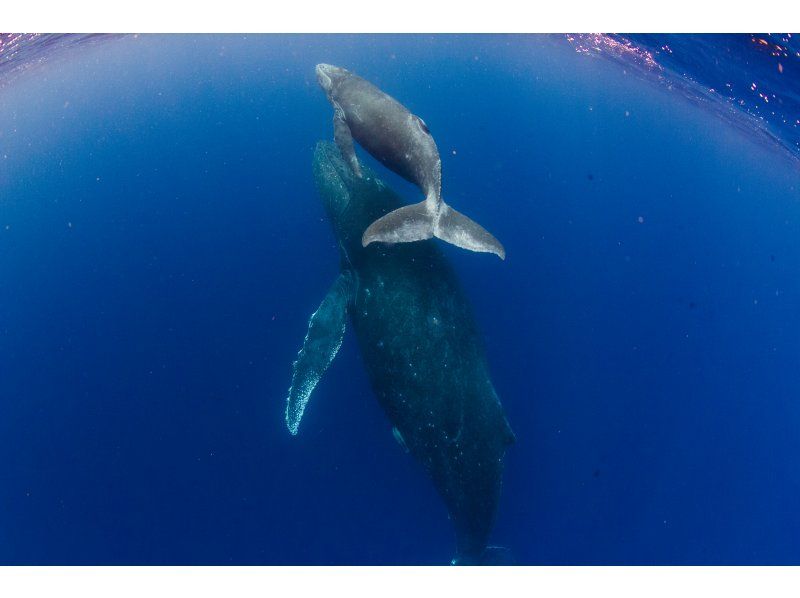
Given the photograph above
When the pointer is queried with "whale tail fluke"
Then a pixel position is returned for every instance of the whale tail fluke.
(497, 556)
(403, 225)
(423, 220)
(463, 232)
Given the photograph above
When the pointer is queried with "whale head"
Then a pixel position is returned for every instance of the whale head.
(351, 203)
(327, 75)
(340, 183)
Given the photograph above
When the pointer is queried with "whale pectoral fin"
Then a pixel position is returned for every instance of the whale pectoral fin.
(324, 337)
(344, 140)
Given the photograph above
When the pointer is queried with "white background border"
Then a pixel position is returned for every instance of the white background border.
(423, 16)
(403, 16)
(400, 582)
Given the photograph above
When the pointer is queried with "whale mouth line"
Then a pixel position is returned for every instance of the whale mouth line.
(323, 78)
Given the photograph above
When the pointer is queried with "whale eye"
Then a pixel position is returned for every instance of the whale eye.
(422, 125)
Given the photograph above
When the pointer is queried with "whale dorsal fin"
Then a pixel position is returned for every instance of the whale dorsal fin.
(422, 125)
(323, 339)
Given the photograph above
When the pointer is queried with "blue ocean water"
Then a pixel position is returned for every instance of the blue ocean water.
(162, 246)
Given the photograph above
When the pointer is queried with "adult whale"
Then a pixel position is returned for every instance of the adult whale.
(422, 352)
(403, 143)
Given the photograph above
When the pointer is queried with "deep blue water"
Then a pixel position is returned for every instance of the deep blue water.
(162, 246)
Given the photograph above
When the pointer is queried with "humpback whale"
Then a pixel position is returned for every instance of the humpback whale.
(402, 142)
(421, 348)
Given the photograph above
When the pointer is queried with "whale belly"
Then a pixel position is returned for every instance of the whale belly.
(380, 124)
(424, 359)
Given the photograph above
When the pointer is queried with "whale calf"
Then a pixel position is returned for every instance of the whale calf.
(402, 142)
(421, 349)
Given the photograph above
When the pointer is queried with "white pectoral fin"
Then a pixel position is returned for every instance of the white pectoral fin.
(324, 337)
(344, 140)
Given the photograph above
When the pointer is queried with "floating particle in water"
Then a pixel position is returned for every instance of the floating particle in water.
(640, 220)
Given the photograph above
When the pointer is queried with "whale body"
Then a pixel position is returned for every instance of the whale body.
(421, 349)
(402, 142)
